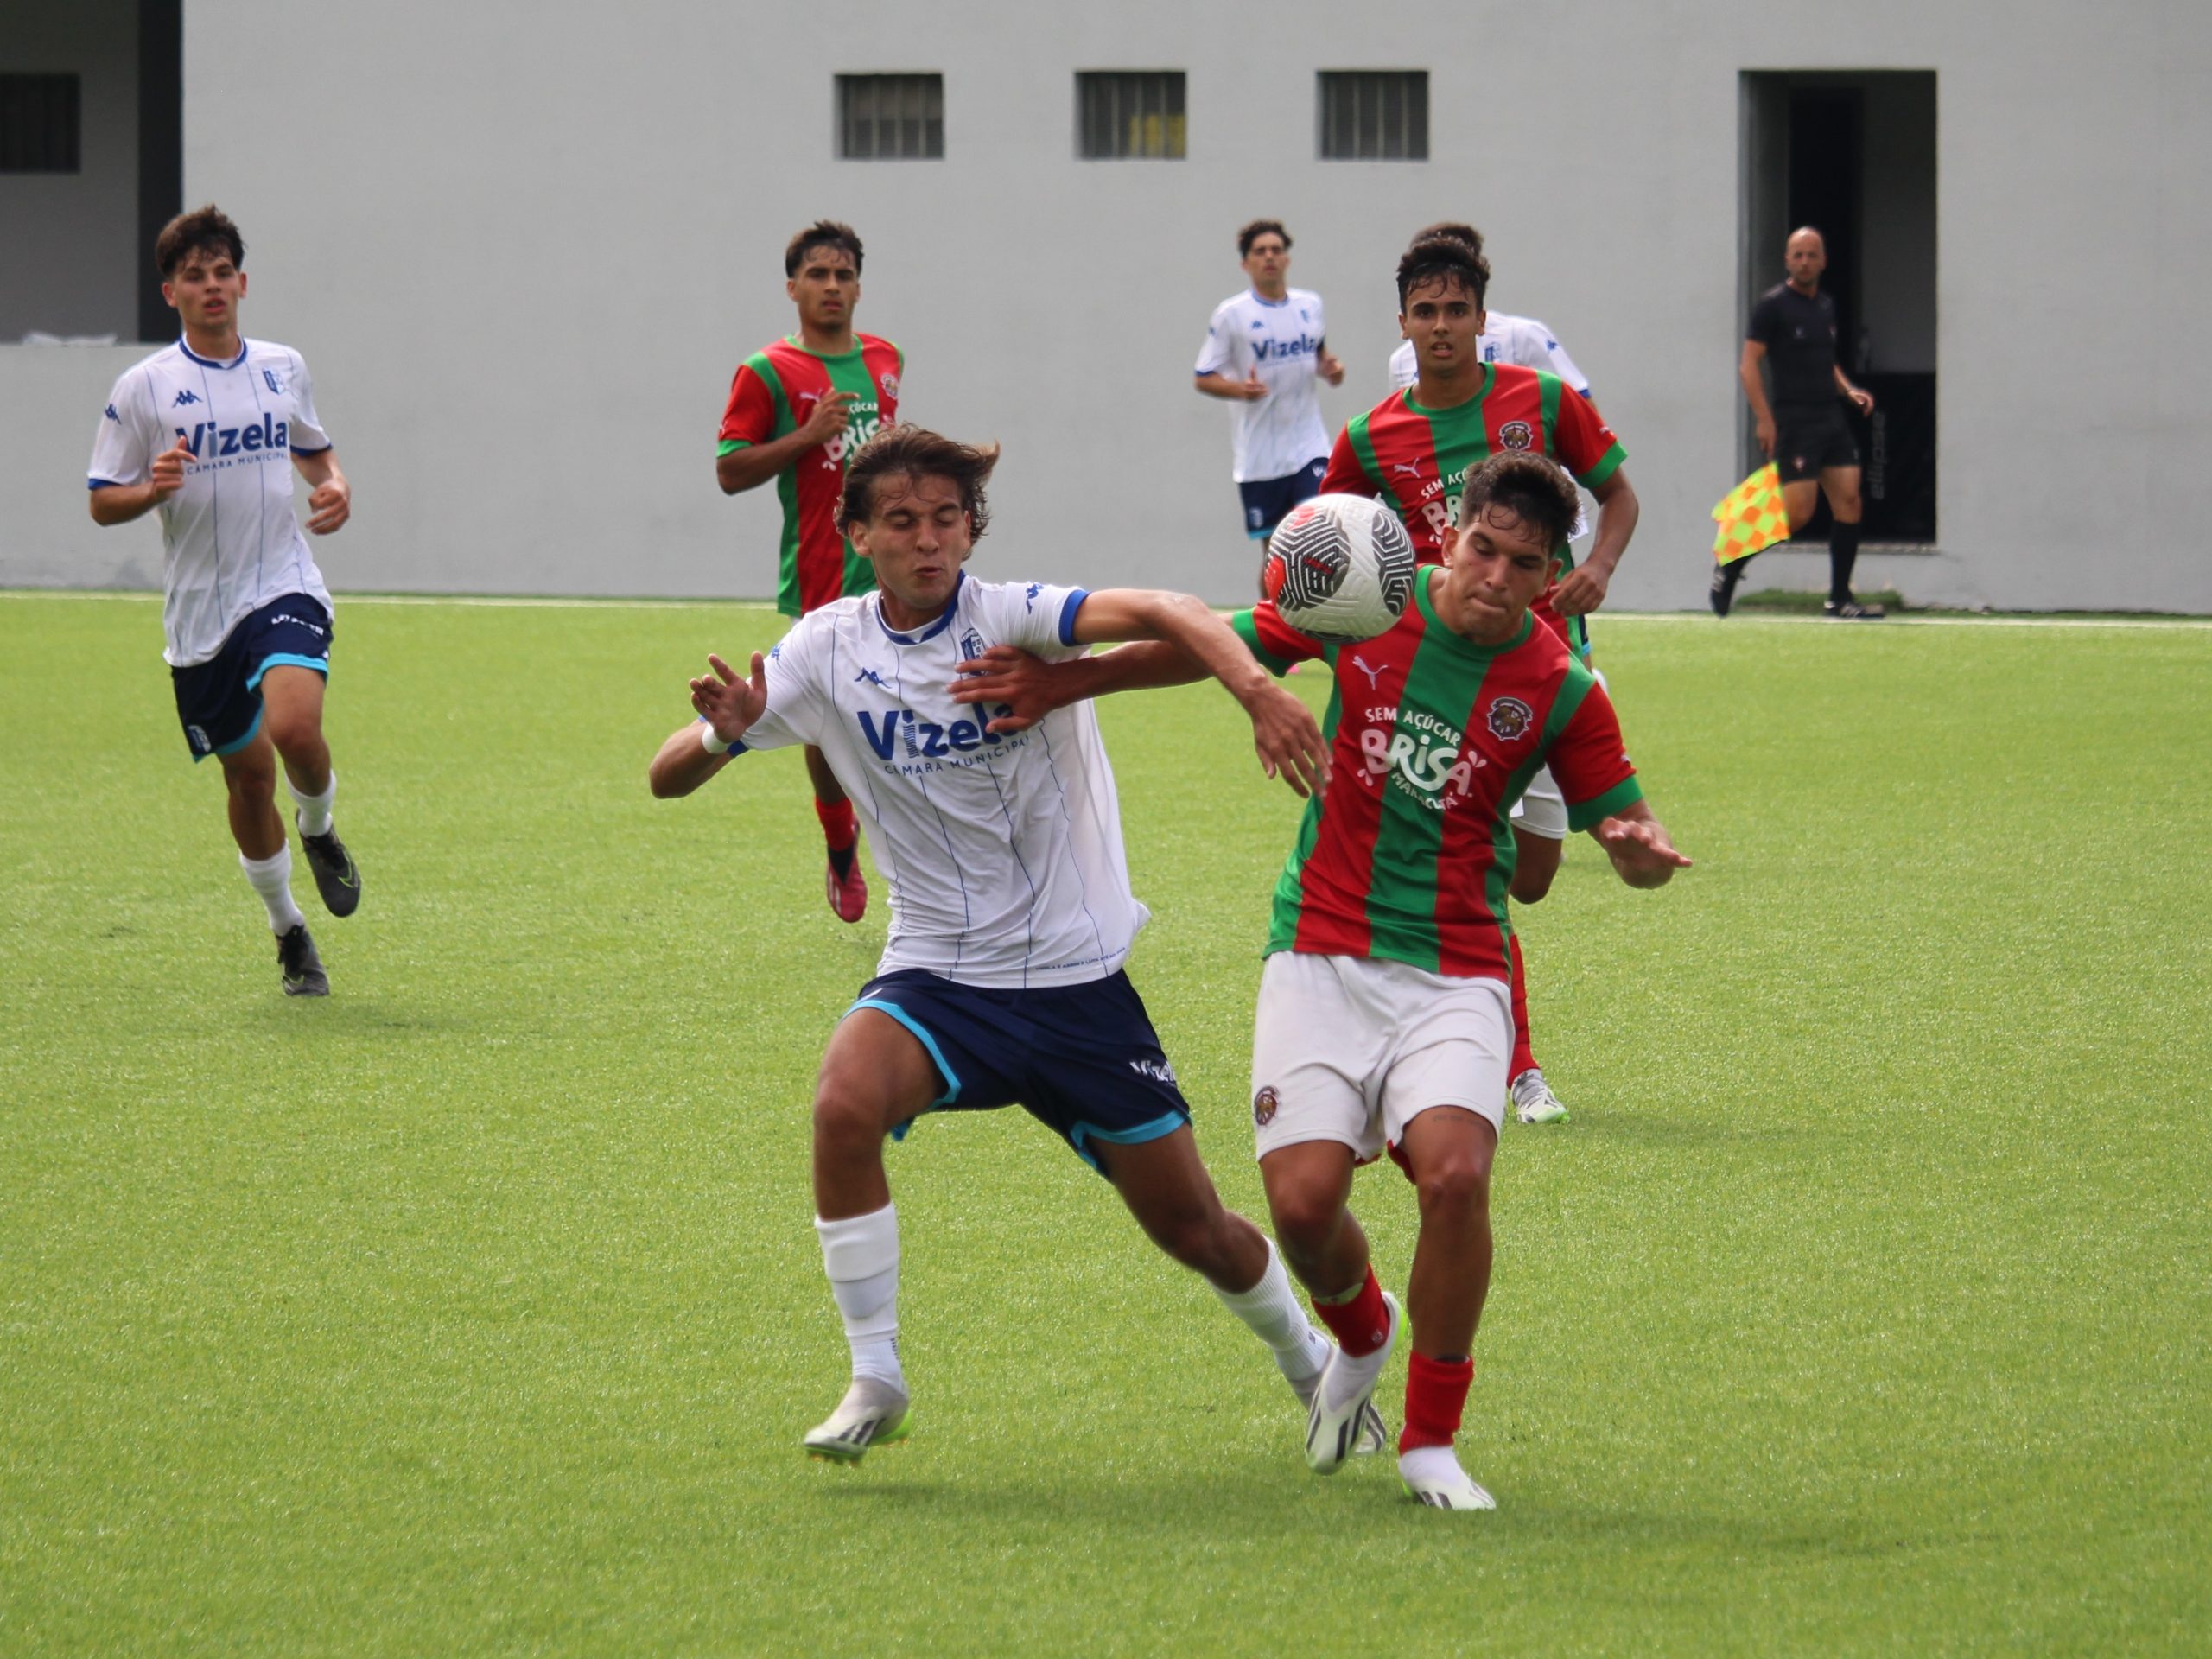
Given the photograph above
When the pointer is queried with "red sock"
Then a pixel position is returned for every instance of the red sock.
(1524, 1058)
(1436, 1395)
(1360, 1325)
(838, 828)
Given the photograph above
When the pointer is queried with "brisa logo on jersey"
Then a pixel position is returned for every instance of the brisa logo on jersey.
(1420, 755)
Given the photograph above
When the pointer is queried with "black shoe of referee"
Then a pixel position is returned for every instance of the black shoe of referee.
(337, 878)
(1850, 610)
(1722, 594)
(295, 955)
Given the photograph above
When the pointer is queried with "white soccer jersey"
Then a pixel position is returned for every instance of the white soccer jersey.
(1503, 340)
(231, 539)
(1281, 433)
(1004, 852)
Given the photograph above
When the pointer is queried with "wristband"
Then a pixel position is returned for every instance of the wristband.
(713, 741)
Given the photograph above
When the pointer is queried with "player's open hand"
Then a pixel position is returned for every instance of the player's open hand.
(828, 416)
(1025, 683)
(1580, 591)
(1640, 851)
(330, 503)
(1290, 744)
(167, 475)
(1251, 388)
(730, 704)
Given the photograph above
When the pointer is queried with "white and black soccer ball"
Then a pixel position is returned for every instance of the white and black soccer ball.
(1340, 567)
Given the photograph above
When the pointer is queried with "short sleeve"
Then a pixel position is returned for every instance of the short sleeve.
(1585, 443)
(1346, 476)
(1273, 641)
(795, 700)
(123, 446)
(750, 416)
(1587, 759)
(307, 437)
(1218, 354)
(1037, 616)
(1765, 317)
(1554, 358)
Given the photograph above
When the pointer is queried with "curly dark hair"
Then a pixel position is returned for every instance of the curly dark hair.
(1258, 228)
(917, 453)
(823, 233)
(207, 228)
(1452, 231)
(1445, 258)
(1532, 487)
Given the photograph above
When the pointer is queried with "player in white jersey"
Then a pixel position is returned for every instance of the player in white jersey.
(1265, 348)
(1011, 912)
(208, 432)
(1503, 340)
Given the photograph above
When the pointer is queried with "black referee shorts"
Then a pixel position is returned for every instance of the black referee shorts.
(1809, 441)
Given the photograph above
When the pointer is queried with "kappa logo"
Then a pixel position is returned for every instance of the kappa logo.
(872, 678)
(182, 398)
(1029, 597)
(1374, 675)
(112, 416)
(1264, 1105)
(1509, 719)
(1516, 435)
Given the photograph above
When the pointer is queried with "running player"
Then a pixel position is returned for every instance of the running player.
(1384, 1019)
(1264, 349)
(1011, 915)
(797, 407)
(1793, 332)
(1413, 450)
(1505, 339)
(208, 432)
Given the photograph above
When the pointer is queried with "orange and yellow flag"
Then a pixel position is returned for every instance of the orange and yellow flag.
(1751, 517)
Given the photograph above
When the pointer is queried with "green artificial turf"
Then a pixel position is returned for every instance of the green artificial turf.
(1862, 1307)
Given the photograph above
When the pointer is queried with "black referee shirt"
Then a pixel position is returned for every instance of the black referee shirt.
(1799, 334)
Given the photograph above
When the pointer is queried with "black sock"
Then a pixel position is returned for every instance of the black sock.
(1843, 553)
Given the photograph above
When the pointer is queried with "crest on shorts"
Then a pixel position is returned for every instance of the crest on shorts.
(889, 383)
(1264, 1106)
(1516, 435)
(1510, 718)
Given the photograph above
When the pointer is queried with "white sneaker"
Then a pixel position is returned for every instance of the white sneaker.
(873, 1413)
(1373, 1433)
(1533, 1100)
(1433, 1474)
(1343, 1396)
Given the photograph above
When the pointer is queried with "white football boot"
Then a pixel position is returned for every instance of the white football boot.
(1433, 1474)
(1345, 1396)
(873, 1413)
(1533, 1100)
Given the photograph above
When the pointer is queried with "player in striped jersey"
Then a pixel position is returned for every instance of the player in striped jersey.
(1383, 1019)
(1011, 913)
(1413, 450)
(797, 407)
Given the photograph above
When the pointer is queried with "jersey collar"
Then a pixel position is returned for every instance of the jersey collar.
(212, 363)
(944, 617)
(1272, 305)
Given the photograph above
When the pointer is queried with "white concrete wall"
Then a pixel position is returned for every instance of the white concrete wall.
(523, 248)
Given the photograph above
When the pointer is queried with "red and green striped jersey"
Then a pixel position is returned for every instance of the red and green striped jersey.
(1416, 459)
(1408, 853)
(774, 391)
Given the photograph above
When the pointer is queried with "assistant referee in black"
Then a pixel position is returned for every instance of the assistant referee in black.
(1793, 332)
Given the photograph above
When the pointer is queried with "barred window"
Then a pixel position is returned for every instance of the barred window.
(1374, 115)
(38, 124)
(1126, 115)
(891, 117)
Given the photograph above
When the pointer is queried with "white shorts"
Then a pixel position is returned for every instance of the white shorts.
(1353, 1049)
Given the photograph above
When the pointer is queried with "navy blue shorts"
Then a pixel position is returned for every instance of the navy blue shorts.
(1267, 501)
(1082, 1059)
(219, 702)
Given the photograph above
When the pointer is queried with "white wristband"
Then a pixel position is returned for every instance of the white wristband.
(713, 741)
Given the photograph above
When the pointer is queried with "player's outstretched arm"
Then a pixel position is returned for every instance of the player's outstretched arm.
(1033, 688)
(729, 706)
(1583, 589)
(1638, 844)
(1283, 729)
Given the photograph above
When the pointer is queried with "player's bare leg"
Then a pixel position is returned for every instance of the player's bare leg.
(875, 1076)
(1308, 1184)
(1840, 486)
(1448, 1152)
(291, 705)
(250, 781)
(847, 885)
(1167, 1190)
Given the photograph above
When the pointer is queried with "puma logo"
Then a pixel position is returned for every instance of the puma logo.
(1374, 675)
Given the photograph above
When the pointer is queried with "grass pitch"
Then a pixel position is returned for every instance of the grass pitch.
(1862, 1307)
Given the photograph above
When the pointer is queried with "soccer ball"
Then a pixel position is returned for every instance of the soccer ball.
(1340, 567)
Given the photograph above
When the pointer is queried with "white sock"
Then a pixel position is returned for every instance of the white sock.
(272, 879)
(1272, 1309)
(1437, 1464)
(314, 809)
(861, 1254)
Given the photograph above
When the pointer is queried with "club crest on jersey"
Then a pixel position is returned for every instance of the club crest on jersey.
(1264, 1104)
(1516, 435)
(1509, 719)
(889, 382)
(275, 384)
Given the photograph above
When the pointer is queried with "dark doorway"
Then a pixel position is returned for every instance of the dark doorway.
(1853, 155)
